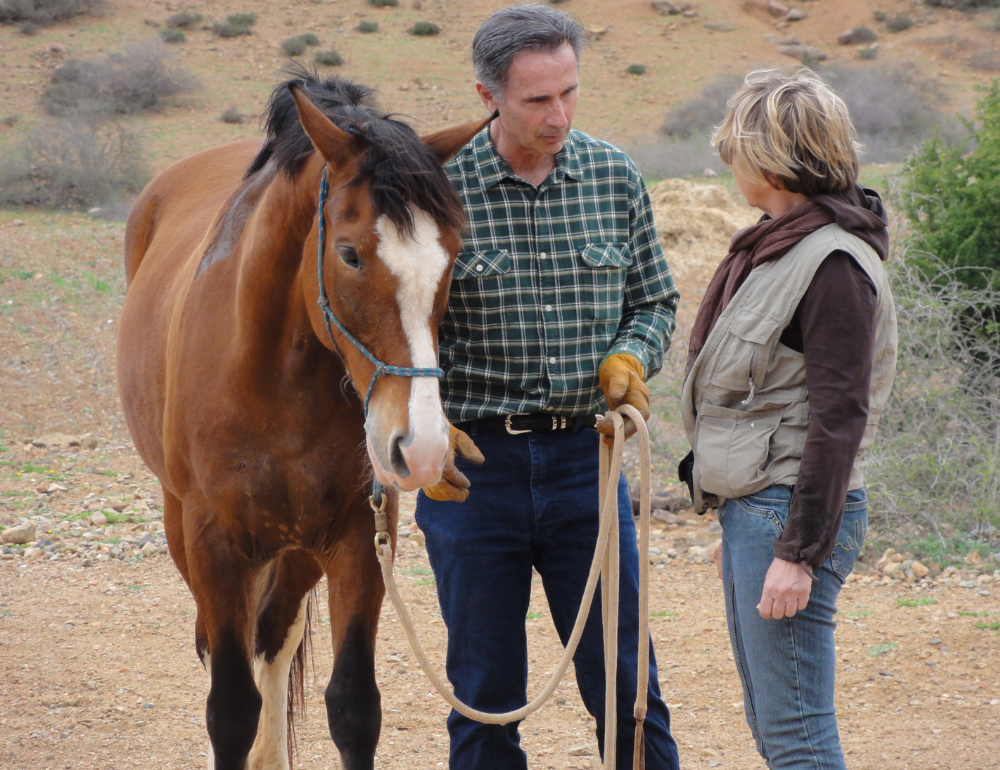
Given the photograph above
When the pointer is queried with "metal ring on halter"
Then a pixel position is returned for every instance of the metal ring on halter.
(328, 316)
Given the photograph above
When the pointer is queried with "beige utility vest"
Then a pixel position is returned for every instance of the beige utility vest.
(745, 403)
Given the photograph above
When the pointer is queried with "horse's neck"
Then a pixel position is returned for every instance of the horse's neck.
(271, 304)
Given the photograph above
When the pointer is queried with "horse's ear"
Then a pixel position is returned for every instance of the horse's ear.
(444, 144)
(336, 146)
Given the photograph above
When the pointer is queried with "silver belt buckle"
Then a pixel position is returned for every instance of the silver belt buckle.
(511, 430)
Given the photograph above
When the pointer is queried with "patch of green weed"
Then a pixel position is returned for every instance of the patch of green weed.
(880, 649)
(994, 626)
(922, 601)
(424, 581)
(662, 614)
(534, 616)
(418, 571)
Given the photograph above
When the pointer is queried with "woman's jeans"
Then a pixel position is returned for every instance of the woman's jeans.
(786, 666)
(532, 504)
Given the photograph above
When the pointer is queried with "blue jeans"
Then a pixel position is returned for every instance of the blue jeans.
(786, 666)
(533, 503)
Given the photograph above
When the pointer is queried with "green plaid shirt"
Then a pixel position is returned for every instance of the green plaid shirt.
(550, 281)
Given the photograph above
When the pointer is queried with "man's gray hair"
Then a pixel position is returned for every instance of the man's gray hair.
(523, 27)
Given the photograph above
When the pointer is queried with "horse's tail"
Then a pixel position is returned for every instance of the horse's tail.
(296, 676)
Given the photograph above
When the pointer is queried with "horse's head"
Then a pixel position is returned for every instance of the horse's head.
(392, 229)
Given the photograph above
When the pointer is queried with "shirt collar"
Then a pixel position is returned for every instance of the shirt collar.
(493, 169)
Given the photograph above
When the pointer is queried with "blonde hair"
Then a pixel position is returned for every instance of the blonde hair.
(790, 131)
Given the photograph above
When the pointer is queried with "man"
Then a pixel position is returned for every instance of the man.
(561, 292)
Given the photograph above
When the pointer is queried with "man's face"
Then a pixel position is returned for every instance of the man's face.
(540, 98)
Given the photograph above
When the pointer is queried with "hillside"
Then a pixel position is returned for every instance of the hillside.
(431, 80)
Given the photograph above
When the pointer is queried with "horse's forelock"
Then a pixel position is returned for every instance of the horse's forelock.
(398, 169)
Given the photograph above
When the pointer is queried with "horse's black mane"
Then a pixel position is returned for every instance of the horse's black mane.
(398, 168)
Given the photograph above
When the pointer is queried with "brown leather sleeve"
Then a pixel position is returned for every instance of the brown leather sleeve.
(834, 328)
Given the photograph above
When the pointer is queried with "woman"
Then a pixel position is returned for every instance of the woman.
(791, 359)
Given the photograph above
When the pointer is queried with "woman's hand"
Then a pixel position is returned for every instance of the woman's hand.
(786, 590)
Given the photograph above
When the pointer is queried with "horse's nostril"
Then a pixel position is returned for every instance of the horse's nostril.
(399, 465)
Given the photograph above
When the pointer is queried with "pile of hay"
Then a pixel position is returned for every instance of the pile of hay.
(695, 223)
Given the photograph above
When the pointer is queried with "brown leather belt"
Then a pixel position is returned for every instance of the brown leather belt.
(535, 422)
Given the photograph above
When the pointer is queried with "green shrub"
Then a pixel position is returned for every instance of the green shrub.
(236, 25)
(170, 35)
(29, 28)
(636, 69)
(309, 38)
(935, 466)
(899, 23)
(367, 27)
(424, 29)
(329, 58)
(384, 3)
(46, 12)
(294, 46)
(951, 198)
(184, 20)
(861, 35)
(72, 163)
(232, 115)
(135, 79)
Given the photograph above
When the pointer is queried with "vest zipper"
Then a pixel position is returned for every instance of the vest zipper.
(753, 356)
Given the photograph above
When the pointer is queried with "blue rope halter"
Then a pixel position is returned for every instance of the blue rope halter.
(328, 316)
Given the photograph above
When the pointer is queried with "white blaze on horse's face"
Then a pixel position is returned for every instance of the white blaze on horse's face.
(418, 262)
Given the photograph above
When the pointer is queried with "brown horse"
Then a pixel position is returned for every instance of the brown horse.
(234, 390)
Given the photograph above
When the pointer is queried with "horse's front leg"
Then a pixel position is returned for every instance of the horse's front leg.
(221, 581)
(353, 703)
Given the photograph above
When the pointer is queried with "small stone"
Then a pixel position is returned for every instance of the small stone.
(796, 14)
(151, 23)
(52, 440)
(417, 5)
(776, 8)
(919, 569)
(89, 442)
(719, 25)
(32, 552)
(417, 537)
(64, 525)
(973, 558)
(802, 52)
(20, 534)
(148, 549)
(935, 641)
(783, 40)
(691, 13)
(581, 751)
(668, 8)
(98, 519)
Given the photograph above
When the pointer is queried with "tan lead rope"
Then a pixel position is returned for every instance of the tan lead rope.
(604, 565)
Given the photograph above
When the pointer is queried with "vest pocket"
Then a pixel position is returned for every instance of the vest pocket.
(731, 449)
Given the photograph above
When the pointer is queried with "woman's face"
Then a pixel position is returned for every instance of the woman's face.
(755, 192)
(761, 195)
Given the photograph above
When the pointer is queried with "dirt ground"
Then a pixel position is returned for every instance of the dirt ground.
(98, 670)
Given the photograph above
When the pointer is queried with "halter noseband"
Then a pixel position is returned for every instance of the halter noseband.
(328, 316)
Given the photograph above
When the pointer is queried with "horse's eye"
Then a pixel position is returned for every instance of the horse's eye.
(349, 255)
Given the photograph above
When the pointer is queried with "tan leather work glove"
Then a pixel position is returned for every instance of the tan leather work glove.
(621, 377)
(454, 485)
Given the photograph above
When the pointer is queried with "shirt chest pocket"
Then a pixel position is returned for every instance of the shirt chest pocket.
(481, 264)
(602, 277)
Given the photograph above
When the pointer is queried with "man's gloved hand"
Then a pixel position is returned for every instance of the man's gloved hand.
(621, 377)
(454, 485)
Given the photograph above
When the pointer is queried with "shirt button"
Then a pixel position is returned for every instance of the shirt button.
(543, 255)
(552, 360)
(548, 308)
(479, 268)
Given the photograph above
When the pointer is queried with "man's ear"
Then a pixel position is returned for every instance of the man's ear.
(490, 100)
(445, 144)
(336, 146)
